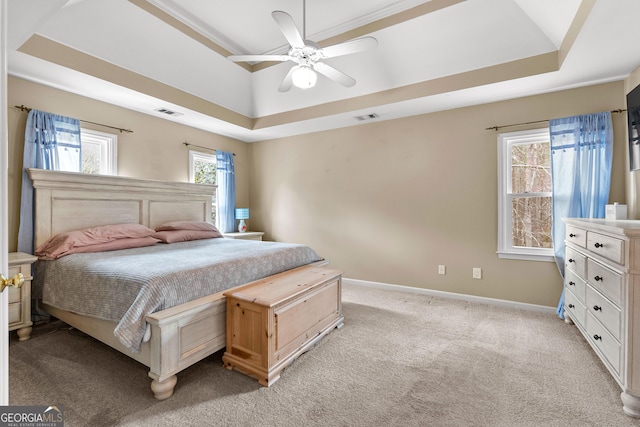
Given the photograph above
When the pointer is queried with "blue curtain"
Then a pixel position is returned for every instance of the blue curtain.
(51, 142)
(226, 180)
(581, 153)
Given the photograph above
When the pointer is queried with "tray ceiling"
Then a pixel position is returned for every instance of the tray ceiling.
(432, 55)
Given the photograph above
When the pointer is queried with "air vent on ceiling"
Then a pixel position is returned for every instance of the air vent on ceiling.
(367, 117)
(168, 112)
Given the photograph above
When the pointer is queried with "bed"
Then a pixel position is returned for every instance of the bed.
(169, 339)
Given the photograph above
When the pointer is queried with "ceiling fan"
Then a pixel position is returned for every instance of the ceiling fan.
(308, 55)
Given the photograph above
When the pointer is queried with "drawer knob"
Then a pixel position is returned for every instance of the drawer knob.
(571, 260)
(597, 278)
(597, 337)
(572, 283)
(572, 235)
(599, 245)
(571, 305)
(596, 308)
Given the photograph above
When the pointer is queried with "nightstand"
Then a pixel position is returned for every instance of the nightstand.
(247, 235)
(20, 298)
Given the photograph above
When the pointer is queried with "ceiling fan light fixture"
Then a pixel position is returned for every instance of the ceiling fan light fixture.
(304, 77)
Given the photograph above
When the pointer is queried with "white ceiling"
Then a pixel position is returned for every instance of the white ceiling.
(432, 55)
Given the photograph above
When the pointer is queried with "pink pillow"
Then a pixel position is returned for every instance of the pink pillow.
(63, 243)
(173, 236)
(187, 225)
(115, 245)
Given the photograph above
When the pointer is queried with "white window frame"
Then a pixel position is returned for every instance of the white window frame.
(505, 221)
(108, 147)
(205, 157)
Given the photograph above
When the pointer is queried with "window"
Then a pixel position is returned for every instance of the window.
(99, 152)
(524, 195)
(202, 170)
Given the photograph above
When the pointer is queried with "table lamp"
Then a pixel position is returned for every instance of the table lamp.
(242, 214)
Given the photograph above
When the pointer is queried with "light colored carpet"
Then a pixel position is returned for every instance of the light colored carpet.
(400, 360)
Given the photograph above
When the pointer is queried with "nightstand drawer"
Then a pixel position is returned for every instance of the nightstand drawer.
(15, 294)
(605, 246)
(25, 269)
(14, 313)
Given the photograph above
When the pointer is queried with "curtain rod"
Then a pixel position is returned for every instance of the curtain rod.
(27, 109)
(539, 121)
(200, 146)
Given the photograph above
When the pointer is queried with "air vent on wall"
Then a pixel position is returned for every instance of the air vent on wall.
(367, 117)
(168, 112)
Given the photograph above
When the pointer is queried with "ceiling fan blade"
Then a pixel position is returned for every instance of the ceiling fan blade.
(333, 74)
(258, 58)
(352, 46)
(288, 28)
(288, 80)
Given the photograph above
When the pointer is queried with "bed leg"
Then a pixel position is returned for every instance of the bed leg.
(164, 390)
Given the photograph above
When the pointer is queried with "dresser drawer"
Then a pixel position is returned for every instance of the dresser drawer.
(14, 313)
(576, 235)
(605, 342)
(607, 314)
(574, 283)
(605, 246)
(577, 311)
(576, 262)
(606, 281)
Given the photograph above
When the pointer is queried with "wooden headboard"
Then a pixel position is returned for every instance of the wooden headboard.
(66, 201)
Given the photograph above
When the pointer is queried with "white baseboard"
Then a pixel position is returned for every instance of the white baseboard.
(450, 295)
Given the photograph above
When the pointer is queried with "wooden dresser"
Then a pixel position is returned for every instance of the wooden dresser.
(272, 321)
(602, 296)
(20, 298)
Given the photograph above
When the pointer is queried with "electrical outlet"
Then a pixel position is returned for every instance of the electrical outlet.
(477, 273)
(442, 269)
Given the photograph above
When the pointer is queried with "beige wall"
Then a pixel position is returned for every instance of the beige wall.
(154, 150)
(384, 202)
(390, 201)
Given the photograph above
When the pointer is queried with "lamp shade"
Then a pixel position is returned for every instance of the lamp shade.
(304, 77)
(242, 213)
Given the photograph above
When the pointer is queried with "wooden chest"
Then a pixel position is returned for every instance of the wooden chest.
(272, 321)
